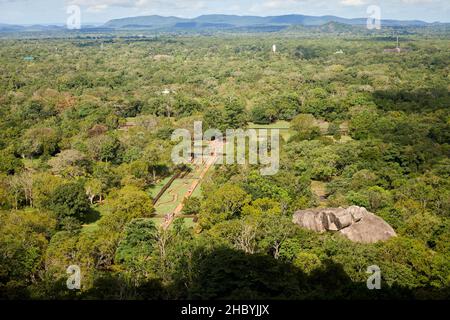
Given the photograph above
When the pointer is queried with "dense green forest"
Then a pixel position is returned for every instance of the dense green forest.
(85, 127)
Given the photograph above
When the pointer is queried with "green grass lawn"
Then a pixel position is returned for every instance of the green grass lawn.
(173, 196)
(159, 220)
(166, 204)
(198, 191)
(89, 227)
(100, 211)
(157, 187)
(345, 139)
(282, 125)
(189, 222)
(319, 188)
(32, 163)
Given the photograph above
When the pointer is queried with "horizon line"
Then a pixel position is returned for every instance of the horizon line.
(222, 14)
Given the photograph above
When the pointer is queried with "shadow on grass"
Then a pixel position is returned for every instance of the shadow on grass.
(92, 216)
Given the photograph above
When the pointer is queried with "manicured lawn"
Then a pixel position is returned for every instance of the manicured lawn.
(173, 196)
(157, 187)
(282, 125)
(198, 191)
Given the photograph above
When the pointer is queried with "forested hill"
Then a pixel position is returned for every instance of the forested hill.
(234, 21)
(218, 22)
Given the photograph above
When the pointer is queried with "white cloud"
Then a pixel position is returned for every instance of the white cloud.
(353, 2)
(276, 6)
(97, 5)
(97, 8)
(247, 6)
(417, 1)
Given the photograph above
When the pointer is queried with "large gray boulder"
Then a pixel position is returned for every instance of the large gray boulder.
(356, 223)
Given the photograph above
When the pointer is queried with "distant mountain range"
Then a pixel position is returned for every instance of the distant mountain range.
(37, 27)
(220, 22)
(233, 21)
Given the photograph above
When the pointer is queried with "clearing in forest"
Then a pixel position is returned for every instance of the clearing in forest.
(281, 125)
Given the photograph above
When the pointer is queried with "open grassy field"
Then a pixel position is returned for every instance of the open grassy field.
(98, 212)
(281, 125)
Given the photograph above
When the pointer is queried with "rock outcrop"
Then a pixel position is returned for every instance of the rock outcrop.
(356, 223)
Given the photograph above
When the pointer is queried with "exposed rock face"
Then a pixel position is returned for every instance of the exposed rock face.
(356, 223)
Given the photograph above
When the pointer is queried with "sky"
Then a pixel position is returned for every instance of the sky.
(28, 12)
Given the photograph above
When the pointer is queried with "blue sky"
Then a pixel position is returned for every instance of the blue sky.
(98, 11)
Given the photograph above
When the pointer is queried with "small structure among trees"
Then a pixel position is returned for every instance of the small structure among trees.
(397, 49)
